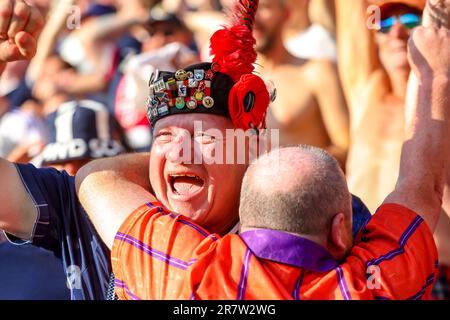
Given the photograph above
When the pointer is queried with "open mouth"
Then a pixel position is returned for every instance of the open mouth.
(185, 184)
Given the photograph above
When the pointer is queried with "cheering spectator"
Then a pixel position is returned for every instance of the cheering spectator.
(302, 112)
(296, 235)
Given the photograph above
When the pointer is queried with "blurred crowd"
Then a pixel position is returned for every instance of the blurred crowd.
(340, 85)
(104, 51)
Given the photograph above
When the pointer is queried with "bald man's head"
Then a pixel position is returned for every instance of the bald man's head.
(295, 189)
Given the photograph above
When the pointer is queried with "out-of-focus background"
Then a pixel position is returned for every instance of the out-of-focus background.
(106, 50)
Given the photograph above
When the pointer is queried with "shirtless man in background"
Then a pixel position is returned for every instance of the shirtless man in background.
(310, 107)
(374, 72)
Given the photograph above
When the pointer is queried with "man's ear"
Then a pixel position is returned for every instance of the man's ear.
(338, 236)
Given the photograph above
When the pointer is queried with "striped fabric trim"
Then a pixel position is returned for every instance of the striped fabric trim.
(343, 284)
(244, 276)
(193, 226)
(402, 242)
(152, 206)
(177, 263)
(298, 284)
(122, 285)
(428, 282)
(410, 231)
(180, 219)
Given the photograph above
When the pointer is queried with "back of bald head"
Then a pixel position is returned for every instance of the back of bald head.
(294, 189)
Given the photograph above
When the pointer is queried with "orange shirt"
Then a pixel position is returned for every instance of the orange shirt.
(160, 255)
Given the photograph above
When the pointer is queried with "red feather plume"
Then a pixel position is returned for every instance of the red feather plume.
(233, 47)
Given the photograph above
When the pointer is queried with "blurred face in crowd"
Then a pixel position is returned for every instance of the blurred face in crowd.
(269, 24)
(393, 37)
(207, 193)
(164, 33)
(46, 85)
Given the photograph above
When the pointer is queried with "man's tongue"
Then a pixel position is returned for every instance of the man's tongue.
(186, 185)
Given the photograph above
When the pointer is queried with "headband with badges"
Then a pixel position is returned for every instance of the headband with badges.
(196, 89)
(225, 87)
(187, 89)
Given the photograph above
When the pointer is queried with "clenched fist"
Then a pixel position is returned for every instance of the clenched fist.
(20, 26)
(437, 13)
(429, 52)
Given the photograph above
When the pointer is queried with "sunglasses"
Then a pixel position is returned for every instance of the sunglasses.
(408, 20)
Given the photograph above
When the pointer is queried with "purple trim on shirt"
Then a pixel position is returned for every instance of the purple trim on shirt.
(154, 253)
(176, 216)
(410, 231)
(343, 284)
(391, 255)
(402, 242)
(193, 226)
(244, 276)
(298, 284)
(152, 206)
(213, 237)
(428, 282)
(288, 249)
(122, 285)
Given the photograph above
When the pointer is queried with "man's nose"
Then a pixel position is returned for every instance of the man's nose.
(398, 31)
(181, 149)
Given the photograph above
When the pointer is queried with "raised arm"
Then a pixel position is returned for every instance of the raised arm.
(357, 53)
(425, 153)
(334, 109)
(20, 25)
(437, 14)
(56, 22)
(110, 189)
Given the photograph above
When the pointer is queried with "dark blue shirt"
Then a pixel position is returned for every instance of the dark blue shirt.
(31, 273)
(64, 228)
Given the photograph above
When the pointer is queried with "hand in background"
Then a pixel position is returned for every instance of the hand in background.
(20, 26)
(429, 53)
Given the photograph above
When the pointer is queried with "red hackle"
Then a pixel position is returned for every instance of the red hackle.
(233, 47)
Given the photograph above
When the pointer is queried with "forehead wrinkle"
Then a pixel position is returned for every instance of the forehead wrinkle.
(186, 121)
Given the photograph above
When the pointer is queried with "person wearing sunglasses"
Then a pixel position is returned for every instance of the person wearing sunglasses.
(406, 20)
(374, 69)
(393, 31)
